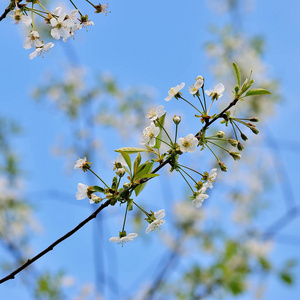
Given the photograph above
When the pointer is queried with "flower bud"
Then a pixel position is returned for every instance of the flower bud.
(235, 155)
(222, 166)
(177, 120)
(220, 134)
(120, 172)
(240, 146)
(126, 185)
(233, 142)
(254, 129)
(253, 120)
(244, 137)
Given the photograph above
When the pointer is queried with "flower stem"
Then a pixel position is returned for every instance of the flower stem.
(204, 98)
(125, 218)
(97, 176)
(200, 101)
(141, 209)
(164, 142)
(190, 169)
(186, 180)
(212, 151)
(219, 146)
(188, 175)
(176, 133)
(210, 106)
(164, 130)
(190, 104)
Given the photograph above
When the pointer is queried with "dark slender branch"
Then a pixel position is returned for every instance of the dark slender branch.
(281, 222)
(220, 115)
(30, 261)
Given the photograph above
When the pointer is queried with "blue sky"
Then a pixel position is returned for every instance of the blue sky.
(157, 44)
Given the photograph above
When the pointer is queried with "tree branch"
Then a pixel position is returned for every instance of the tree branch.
(30, 261)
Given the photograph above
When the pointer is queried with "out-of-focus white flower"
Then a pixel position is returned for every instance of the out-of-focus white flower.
(188, 143)
(175, 91)
(157, 222)
(155, 112)
(259, 248)
(149, 135)
(201, 196)
(18, 16)
(82, 191)
(211, 178)
(80, 163)
(41, 50)
(32, 40)
(124, 239)
(217, 92)
(185, 212)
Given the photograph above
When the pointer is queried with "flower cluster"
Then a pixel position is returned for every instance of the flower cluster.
(63, 25)
(140, 173)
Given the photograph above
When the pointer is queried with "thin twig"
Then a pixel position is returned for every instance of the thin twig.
(32, 260)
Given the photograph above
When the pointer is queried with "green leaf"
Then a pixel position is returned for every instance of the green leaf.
(148, 176)
(98, 189)
(136, 163)
(256, 92)
(265, 264)
(127, 159)
(160, 124)
(237, 73)
(130, 204)
(131, 150)
(140, 187)
(286, 277)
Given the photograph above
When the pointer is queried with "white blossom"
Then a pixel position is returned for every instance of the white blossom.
(61, 26)
(174, 91)
(155, 112)
(217, 92)
(157, 222)
(201, 196)
(149, 135)
(211, 178)
(82, 191)
(188, 143)
(124, 239)
(199, 81)
(32, 40)
(80, 163)
(102, 8)
(197, 85)
(41, 50)
(18, 16)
